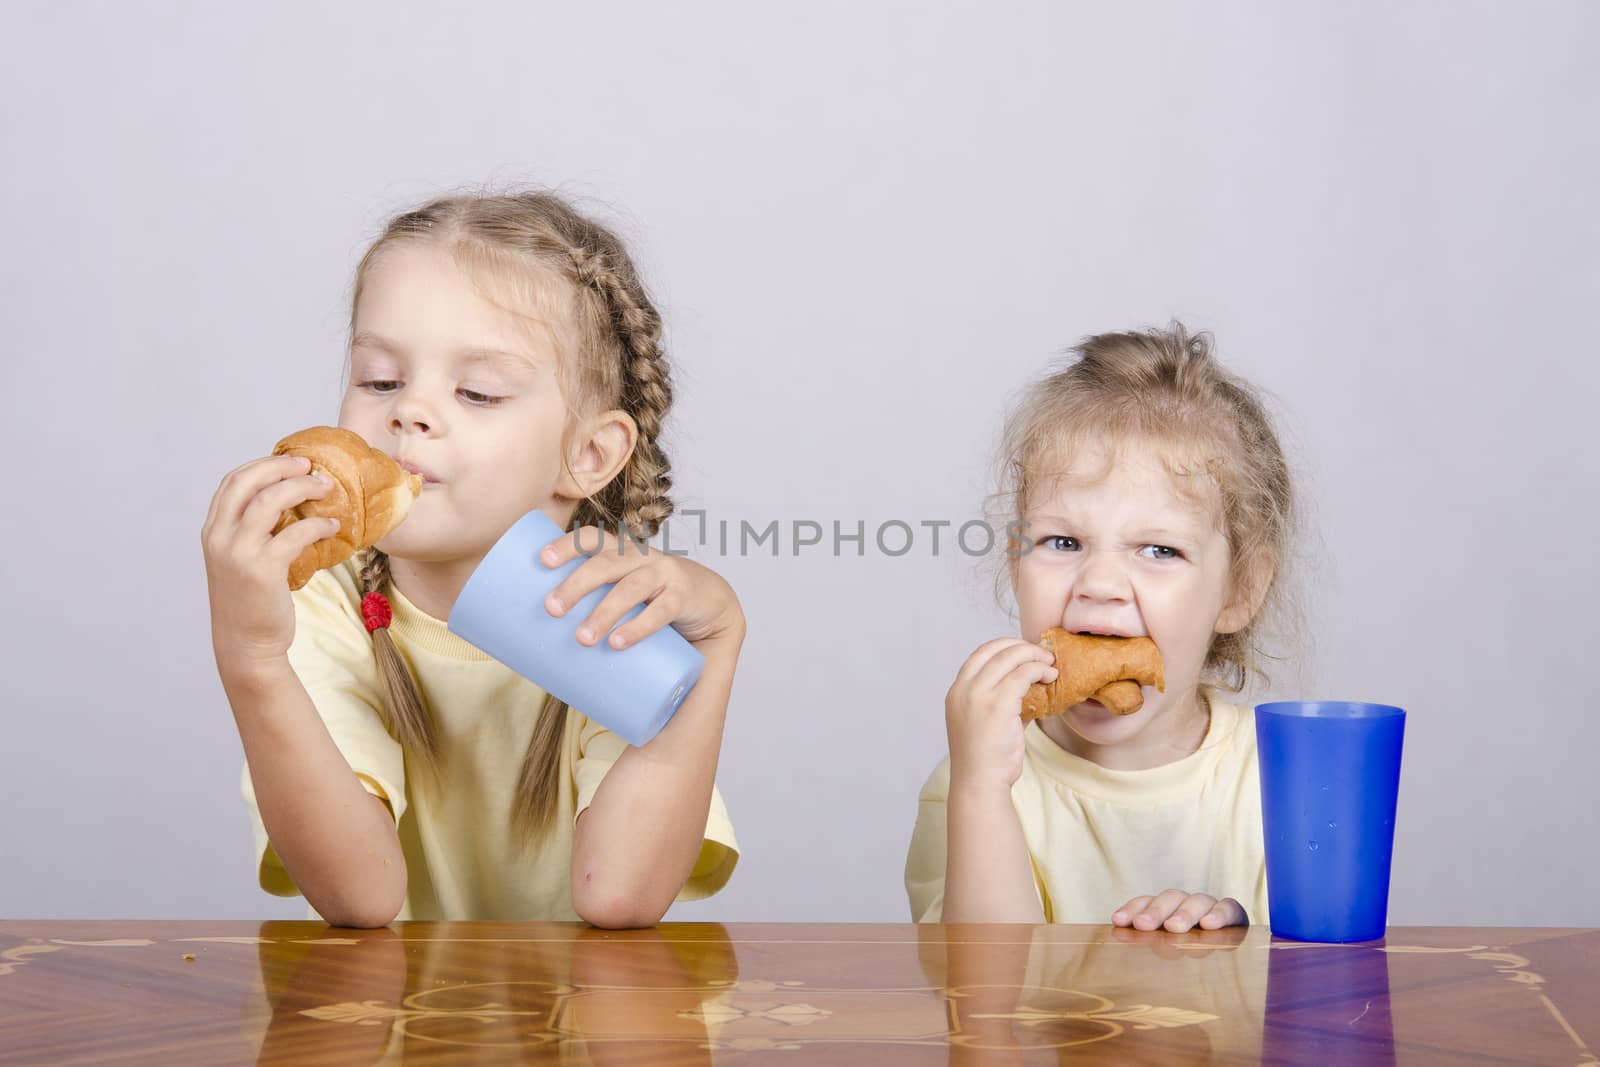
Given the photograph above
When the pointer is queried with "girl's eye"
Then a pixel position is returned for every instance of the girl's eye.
(386, 386)
(1059, 543)
(1160, 552)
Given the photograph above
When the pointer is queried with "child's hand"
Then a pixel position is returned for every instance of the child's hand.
(983, 710)
(696, 600)
(1178, 911)
(247, 566)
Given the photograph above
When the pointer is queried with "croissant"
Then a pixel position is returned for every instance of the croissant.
(1123, 697)
(371, 493)
(1108, 669)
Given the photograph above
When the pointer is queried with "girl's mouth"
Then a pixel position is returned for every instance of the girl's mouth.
(414, 468)
(1092, 711)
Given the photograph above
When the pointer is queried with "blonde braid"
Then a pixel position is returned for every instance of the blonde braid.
(407, 713)
(638, 499)
(646, 385)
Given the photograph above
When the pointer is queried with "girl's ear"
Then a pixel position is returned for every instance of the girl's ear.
(1248, 589)
(600, 449)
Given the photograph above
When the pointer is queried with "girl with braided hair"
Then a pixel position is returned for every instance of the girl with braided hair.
(503, 348)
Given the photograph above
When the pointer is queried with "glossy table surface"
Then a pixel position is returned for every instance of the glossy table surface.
(227, 992)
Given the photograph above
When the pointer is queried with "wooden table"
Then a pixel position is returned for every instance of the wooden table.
(425, 993)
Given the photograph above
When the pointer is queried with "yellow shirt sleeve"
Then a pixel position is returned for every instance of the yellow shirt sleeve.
(332, 656)
(598, 749)
(925, 859)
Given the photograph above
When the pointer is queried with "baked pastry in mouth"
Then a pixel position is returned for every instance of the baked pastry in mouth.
(1091, 667)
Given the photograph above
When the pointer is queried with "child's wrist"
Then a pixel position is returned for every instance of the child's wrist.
(978, 784)
(727, 641)
(242, 673)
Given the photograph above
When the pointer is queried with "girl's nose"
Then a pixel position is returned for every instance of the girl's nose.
(412, 415)
(1102, 578)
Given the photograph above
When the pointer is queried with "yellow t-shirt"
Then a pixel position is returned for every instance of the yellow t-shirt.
(463, 860)
(1099, 837)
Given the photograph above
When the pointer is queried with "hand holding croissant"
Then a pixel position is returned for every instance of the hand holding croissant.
(371, 493)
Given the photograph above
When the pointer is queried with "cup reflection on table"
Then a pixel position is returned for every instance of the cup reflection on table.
(1328, 1004)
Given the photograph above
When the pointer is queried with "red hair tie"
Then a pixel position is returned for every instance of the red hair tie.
(376, 612)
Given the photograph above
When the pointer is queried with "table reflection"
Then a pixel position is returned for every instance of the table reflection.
(693, 995)
(587, 998)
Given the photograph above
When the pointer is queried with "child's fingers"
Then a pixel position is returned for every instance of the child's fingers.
(658, 613)
(1006, 660)
(981, 656)
(643, 584)
(1029, 672)
(590, 575)
(242, 483)
(1187, 913)
(1124, 915)
(1159, 910)
(1226, 912)
(262, 513)
(586, 541)
(228, 488)
(1014, 686)
(287, 544)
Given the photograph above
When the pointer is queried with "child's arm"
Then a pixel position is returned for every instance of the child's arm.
(988, 873)
(636, 844)
(337, 842)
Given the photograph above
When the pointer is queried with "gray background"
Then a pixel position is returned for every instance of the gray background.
(869, 226)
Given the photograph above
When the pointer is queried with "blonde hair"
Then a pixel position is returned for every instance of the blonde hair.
(1164, 389)
(535, 254)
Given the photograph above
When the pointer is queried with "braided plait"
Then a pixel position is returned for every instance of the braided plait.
(408, 714)
(644, 501)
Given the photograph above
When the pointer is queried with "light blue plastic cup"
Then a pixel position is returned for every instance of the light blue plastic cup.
(632, 691)
(1330, 780)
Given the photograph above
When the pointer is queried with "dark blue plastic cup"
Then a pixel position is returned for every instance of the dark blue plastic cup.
(1330, 776)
